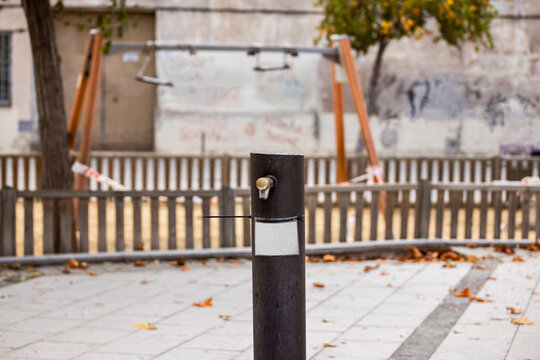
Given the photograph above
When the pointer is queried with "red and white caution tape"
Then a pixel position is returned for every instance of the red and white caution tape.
(90, 173)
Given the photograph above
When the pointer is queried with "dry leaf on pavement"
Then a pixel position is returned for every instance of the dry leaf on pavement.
(66, 271)
(521, 321)
(368, 268)
(205, 303)
(144, 282)
(414, 252)
(73, 263)
(185, 268)
(91, 273)
(517, 258)
(513, 310)
(327, 345)
(464, 293)
(83, 265)
(144, 326)
(329, 258)
(318, 284)
(139, 262)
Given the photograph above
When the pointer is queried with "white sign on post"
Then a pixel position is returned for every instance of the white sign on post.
(276, 238)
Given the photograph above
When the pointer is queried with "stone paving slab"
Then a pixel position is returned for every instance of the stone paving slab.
(356, 315)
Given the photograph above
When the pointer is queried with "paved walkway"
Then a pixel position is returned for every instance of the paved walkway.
(356, 315)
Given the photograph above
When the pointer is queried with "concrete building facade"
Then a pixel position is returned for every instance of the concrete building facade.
(434, 100)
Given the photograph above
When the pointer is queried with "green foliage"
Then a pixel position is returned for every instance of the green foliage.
(111, 22)
(370, 22)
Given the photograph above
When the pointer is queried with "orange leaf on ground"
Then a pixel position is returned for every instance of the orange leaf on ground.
(513, 310)
(318, 284)
(472, 246)
(225, 317)
(517, 258)
(73, 263)
(205, 303)
(91, 273)
(327, 345)
(450, 255)
(66, 271)
(449, 265)
(15, 266)
(414, 252)
(384, 273)
(479, 299)
(185, 268)
(144, 282)
(235, 261)
(465, 293)
(83, 265)
(144, 326)
(521, 321)
(329, 258)
(139, 262)
(368, 268)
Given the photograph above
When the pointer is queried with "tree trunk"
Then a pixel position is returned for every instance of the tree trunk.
(56, 172)
(374, 81)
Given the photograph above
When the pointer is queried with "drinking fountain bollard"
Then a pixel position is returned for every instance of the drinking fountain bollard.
(279, 291)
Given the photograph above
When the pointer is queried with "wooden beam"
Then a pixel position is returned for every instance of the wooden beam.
(80, 91)
(349, 65)
(93, 87)
(341, 162)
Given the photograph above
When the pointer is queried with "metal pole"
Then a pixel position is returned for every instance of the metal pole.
(278, 254)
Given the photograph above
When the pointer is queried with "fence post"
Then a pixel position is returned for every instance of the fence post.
(279, 301)
(423, 210)
(225, 170)
(8, 201)
(227, 236)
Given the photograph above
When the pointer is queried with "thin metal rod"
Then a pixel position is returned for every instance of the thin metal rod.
(330, 53)
(226, 216)
(373, 249)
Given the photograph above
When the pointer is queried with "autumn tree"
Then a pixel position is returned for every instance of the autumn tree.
(377, 22)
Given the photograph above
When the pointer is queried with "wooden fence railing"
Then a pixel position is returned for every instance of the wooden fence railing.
(143, 220)
(153, 171)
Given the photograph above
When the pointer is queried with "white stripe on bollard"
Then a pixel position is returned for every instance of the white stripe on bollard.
(276, 238)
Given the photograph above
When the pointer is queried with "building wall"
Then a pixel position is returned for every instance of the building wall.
(18, 121)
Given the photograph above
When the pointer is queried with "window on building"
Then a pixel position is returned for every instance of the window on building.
(5, 68)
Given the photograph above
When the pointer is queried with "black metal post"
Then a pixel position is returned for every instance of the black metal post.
(279, 299)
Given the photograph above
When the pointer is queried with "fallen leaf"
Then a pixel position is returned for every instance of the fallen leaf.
(521, 321)
(327, 345)
(83, 265)
(535, 292)
(513, 310)
(139, 262)
(91, 273)
(15, 266)
(185, 268)
(449, 265)
(465, 293)
(225, 317)
(517, 259)
(472, 246)
(144, 326)
(492, 278)
(66, 271)
(450, 255)
(479, 299)
(384, 273)
(318, 284)
(414, 252)
(235, 261)
(73, 263)
(325, 321)
(205, 303)
(329, 258)
(144, 282)
(368, 268)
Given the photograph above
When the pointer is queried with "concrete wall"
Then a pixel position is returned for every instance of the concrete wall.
(435, 99)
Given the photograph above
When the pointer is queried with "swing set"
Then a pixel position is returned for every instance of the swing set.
(343, 71)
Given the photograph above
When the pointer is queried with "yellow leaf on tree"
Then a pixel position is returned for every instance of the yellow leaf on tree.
(144, 326)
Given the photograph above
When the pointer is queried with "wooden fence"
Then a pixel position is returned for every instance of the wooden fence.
(152, 171)
(142, 220)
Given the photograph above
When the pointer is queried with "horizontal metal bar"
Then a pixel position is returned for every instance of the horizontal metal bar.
(60, 194)
(365, 248)
(484, 186)
(250, 49)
